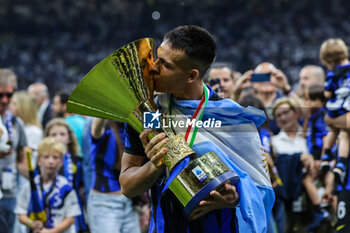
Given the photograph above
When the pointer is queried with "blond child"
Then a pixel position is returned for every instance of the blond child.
(334, 55)
(59, 198)
(72, 164)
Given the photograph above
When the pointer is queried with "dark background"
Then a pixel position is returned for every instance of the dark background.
(59, 41)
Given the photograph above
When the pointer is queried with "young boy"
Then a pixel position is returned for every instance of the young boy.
(317, 129)
(61, 203)
(334, 55)
(318, 185)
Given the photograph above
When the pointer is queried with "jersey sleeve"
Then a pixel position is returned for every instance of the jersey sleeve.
(133, 143)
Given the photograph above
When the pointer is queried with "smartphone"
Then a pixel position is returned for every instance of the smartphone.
(263, 77)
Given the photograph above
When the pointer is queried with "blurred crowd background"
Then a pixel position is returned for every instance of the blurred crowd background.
(59, 41)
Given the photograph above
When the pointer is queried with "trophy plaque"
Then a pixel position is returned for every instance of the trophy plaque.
(120, 88)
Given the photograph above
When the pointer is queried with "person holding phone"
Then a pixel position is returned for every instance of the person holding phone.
(266, 89)
(264, 80)
(221, 79)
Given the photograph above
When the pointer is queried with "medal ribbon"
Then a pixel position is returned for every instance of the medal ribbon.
(197, 116)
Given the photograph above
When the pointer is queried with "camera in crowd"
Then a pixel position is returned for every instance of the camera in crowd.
(215, 84)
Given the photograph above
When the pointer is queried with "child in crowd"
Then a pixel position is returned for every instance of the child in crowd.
(60, 200)
(334, 55)
(317, 128)
(72, 164)
(316, 133)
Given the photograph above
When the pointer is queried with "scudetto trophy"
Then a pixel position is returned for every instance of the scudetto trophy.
(120, 88)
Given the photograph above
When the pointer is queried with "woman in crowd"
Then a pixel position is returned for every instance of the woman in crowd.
(24, 106)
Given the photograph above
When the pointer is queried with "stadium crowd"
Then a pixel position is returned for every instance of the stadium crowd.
(63, 40)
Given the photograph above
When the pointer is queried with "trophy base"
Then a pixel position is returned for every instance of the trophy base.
(214, 184)
(199, 178)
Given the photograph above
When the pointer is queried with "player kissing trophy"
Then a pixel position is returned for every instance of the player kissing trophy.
(120, 88)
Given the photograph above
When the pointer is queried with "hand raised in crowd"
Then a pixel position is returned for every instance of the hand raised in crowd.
(306, 112)
(279, 79)
(327, 198)
(221, 95)
(243, 82)
(227, 198)
(152, 147)
(307, 161)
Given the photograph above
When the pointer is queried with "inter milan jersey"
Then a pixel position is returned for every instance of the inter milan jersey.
(338, 82)
(317, 129)
(104, 155)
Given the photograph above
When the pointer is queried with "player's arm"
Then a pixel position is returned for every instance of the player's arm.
(138, 173)
(97, 128)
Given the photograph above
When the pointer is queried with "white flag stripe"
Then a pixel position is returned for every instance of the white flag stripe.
(237, 145)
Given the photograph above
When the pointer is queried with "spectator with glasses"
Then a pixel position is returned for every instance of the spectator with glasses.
(11, 160)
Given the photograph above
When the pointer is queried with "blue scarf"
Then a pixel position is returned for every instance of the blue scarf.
(69, 173)
(68, 168)
(50, 200)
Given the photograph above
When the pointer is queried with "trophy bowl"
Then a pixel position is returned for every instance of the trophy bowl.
(120, 88)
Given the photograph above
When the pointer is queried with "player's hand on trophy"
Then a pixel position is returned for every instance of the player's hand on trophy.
(153, 147)
(227, 198)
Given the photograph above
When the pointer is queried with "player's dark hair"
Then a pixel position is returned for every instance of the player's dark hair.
(197, 43)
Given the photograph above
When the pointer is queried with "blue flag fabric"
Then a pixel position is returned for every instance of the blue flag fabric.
(36, 210)
(36, 207)
(237, 143)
